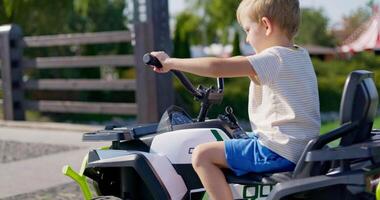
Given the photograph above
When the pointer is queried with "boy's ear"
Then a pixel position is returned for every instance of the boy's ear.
(268, 25)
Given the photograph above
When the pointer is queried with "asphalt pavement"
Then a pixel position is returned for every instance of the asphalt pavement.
(37, 173)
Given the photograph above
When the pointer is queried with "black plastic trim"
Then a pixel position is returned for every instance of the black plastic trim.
(121, 133)
(189, 176)
(247, 179)
(335, 134)
(93, 156)
(142, 144)
(362, 150)
(287, 188)
(144, 169)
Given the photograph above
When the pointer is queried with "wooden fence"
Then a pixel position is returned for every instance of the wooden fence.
(153, 92)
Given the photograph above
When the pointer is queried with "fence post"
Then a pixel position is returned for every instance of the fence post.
(11, 51)
(154, 91)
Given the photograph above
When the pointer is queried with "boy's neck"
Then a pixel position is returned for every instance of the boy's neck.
(280, 40)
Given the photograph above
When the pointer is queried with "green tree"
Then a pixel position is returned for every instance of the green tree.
(44, 17)
(98, 15)
(352, 22)
(371, 3)
(181, 44)
(41, 17)
(188, 23)
(236, 45)
(36, 17)
(219, 15)
(313, 28)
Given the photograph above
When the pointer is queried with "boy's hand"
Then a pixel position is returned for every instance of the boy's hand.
(163, 58)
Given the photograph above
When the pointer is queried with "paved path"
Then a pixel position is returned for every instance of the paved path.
(42, 172)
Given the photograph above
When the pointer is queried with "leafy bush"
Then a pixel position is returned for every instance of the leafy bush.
(332, 75)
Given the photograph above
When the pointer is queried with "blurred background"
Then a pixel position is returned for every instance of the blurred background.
(78, 63)
(332, 31)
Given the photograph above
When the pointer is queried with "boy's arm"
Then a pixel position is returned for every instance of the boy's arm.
(238, 66)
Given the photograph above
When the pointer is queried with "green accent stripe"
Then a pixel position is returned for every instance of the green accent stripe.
(216, 135)
(378, 191)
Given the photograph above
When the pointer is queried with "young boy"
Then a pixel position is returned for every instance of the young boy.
(283, 96)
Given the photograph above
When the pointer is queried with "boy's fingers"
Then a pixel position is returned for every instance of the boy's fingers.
(157, 69)
(156, 53)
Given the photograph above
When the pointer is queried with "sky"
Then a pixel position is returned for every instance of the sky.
(334, 9)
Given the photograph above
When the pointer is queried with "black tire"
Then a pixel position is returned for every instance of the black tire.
(106, 198)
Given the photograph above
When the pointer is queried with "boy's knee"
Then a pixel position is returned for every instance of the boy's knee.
(199, 156)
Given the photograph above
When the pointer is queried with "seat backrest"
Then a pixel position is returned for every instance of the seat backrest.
(358, 107)
(358, 104)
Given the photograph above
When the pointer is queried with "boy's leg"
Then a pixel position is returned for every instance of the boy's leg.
(207, 160)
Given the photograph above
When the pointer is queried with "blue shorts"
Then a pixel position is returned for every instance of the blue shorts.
(248, 155)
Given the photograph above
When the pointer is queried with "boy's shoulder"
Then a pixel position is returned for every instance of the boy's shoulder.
(286, 53)
(295, 49)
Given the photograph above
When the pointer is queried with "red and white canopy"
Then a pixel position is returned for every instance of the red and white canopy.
(369, 38)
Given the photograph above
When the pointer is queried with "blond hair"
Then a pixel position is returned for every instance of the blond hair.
(285, 13)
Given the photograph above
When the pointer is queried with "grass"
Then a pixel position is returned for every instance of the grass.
(326, 127)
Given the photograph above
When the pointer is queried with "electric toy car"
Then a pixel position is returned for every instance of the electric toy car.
(154, 161)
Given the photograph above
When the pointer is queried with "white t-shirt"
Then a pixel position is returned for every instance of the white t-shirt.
(283, 102)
